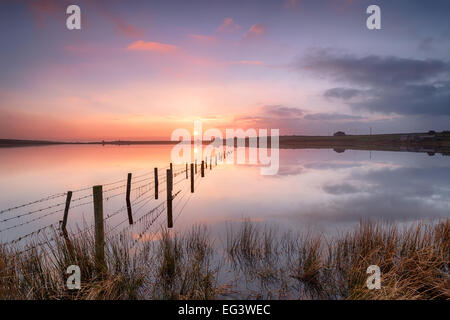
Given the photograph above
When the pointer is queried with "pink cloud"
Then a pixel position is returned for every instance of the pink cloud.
(41, 10)
(255, 31)
(248, 62)
(228, 25)
(292, 4)
(152, 46)
(76, 49)
(202, 38)
(125, 28)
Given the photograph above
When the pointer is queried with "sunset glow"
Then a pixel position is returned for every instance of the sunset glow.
(139, 72)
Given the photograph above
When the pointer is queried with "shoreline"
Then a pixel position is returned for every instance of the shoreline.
(408, 142)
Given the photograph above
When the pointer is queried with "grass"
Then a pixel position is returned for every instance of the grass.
(254, 262)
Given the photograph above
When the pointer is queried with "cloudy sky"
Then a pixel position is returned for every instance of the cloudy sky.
(140, 69)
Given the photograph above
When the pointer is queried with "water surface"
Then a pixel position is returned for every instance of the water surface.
(318, 189)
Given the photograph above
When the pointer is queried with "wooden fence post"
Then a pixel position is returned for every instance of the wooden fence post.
(195, 166)
(130, 213)
(215, 158)
(206, 162)
(66, 212)
(156, 183)
(203, 168)
(169, 199)
(171, 167)
(100, 262)
(192, 178)
(187, 169)
(210, 163)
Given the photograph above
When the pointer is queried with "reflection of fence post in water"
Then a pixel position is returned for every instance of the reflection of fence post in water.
(130, 213)
(192, 178)
(156, 183)
(100, 263)
(98, 203)
(169, 198)
(203, 169)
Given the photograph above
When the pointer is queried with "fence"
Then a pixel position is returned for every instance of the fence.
(140, 210)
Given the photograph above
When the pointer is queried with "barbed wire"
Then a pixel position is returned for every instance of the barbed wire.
(142, 200)
(33, 212)
(30, 234)
(35, 246)
(149, 224)
(187, 200)
(58, 195)
(51, 197)
(30, 221)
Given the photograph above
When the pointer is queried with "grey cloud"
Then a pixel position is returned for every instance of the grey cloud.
(373, 70)
(385, 84)
(342, 93)
(429, 99)
(425, 44)
(331, 116)
(282, 111)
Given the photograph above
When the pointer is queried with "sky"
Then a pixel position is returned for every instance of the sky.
(141, 69)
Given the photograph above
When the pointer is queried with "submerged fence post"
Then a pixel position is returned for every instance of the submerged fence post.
(215, 158)
(130, 213)
(192, 178)
(66, 212)
(156, 183)
(64, 224)
(169, 198)
(210, 163)
(195, 166)
(171, 167)
(206, 162)
(187, 169)
(100, 262)
(203, 168)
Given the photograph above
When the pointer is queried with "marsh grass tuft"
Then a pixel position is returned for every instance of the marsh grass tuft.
(263, 261)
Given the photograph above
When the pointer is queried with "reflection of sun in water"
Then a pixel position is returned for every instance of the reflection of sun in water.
(195, 150)
(195, 133)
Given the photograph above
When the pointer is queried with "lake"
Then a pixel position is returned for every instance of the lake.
(322, 190)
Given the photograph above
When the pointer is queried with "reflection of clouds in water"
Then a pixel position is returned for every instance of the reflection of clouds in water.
(383, 205)
(343, 188)
(288, 171)
(388, 193)
(324, 189)
(412, 181)
(297, 169)
(323, 165)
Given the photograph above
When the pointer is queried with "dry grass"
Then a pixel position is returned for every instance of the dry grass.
(264, 263)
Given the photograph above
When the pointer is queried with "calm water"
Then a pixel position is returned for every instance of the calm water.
(318, 189)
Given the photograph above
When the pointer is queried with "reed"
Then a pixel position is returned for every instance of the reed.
(255, 261)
